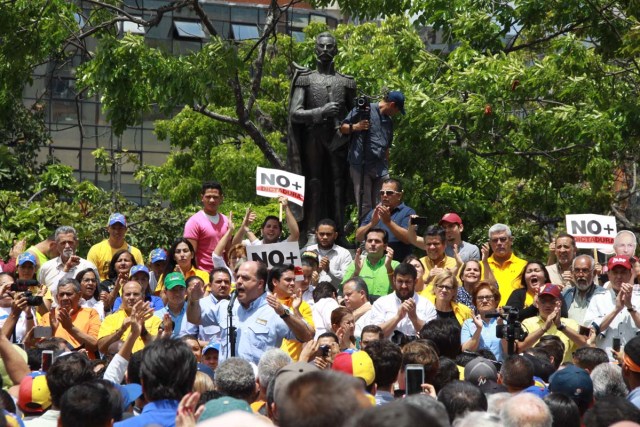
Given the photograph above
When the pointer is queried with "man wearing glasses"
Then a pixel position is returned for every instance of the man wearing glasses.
(391, 215)
(506, 266)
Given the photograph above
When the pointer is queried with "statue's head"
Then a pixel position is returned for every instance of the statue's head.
(326, 47)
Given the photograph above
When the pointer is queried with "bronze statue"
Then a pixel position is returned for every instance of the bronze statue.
(318, 102)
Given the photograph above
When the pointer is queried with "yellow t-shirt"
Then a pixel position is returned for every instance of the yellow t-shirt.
(292, 347)
(101, 254)
(114, 321)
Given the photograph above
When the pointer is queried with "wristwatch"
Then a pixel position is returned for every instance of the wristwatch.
(286, 313)
(561, 327)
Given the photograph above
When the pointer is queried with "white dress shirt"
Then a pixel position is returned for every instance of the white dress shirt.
(386, 307)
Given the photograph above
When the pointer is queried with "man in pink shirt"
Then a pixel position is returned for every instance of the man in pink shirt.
(205, 228)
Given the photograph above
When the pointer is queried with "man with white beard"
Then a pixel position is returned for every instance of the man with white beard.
(581, 288)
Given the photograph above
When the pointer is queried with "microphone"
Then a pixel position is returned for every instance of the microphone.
(234, 296)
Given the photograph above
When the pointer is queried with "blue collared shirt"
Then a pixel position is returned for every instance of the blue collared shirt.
(182, 326)
(258, 327)
(159, 413)
(488, 337)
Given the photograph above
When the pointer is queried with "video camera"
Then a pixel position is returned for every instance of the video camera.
(512, 330)
(363, 107)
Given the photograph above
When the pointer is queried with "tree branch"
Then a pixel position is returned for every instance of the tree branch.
(216, 116)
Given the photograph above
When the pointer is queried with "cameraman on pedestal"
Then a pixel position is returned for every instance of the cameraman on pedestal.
(370, 167)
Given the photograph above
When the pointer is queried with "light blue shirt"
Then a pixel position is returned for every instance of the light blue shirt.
(634, 397)
(258, 327)
(488, 337)
(182, 326)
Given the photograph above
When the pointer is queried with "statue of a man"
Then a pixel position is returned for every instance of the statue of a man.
(316, 149)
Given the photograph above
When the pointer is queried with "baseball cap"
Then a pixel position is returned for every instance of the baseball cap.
(397, 97)
(288, 374)
(574, 382)
(117, 218)
(480, 370)
(206, 370)
(211, 346)
(158, 254)
(34, 396)
(222, 405)
(130, 392)
(174, 279)
(356, 363)
(619, 260)
(492, 387)
(452, 218)
(550, 289)
(137, 269)
(26, 257)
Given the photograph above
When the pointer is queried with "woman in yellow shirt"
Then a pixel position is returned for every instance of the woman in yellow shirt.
(181, 258)
(443, 296)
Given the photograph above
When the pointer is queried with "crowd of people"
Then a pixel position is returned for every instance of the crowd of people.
(417, 327)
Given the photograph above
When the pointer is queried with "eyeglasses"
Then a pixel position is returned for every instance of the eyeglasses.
(445, 288)
(500, 239)
(389, 192)
(485, 298)
(582, 270)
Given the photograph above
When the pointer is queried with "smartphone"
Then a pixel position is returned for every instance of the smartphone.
(413, 378)
(42, 332)
(47, 360)
(418, 220)
(616, 344)
(584, 331)
(324, 350)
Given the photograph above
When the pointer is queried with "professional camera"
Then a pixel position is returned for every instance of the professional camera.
(33, 300)
(512, 330)
(364, 107)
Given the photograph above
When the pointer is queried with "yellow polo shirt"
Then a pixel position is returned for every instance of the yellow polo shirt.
(508, 275)
(447, 262)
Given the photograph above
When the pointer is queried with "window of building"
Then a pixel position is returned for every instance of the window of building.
(191, 30)
(132, 27)
(245, 32)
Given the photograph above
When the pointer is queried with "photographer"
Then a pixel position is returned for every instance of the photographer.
(372, 130)
(16, 316)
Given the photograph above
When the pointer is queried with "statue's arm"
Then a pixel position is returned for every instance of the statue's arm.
(297, 112)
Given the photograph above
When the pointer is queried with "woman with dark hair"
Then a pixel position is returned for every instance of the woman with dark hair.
(117, 276)
(89, 291)
(534, 277)
(343, 325)
(181, 258)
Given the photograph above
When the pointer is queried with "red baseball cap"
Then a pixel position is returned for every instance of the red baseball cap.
(549, 289)
(619, 260)
(452, 218)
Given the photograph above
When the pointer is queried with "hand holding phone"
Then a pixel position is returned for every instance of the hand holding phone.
(414, 378)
